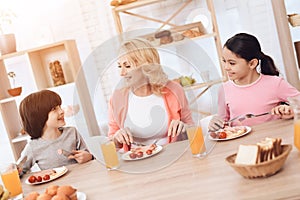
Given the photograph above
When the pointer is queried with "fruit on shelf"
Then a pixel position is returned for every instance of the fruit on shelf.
(185, 80)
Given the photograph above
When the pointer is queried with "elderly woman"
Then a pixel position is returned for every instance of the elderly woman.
(150, 107)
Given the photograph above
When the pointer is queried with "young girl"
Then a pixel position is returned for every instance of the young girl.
(254, 86)
(43, 120)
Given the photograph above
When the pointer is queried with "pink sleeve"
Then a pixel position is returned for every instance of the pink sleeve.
(112, 124)
(223, 110)
(286, 90)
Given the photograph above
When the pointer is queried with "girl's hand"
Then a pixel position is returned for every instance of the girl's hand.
(123, 136)
(81, 156)
(284, 111)
(176, 127)
(216, 123)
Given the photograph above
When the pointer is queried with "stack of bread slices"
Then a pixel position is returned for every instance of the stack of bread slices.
(265, 150)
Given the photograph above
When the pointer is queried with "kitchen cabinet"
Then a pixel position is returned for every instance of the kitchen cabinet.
(286, 42)
(33, 74)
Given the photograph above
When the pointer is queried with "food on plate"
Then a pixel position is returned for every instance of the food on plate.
(67, 190)
(229, 132)
(42, 175)
(32, 196)
(39, 179)
(32, 179)
(54, 192)
(222, 135)
(44, 196)
(139, 152)
(265, 150)
(60, 197)
(149, 152)
(46, 177)
(132, 155)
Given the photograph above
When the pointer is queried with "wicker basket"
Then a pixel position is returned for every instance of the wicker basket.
(263, 169)
(294, 19)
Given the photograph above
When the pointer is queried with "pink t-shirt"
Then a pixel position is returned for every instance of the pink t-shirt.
(258, 97)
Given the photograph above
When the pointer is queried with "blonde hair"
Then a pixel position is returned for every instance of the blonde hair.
(140, 53)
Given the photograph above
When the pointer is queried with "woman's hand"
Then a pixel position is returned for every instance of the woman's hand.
(216, 123)
(284, 111)
(176, 127)
(81, 156)
(123, 136)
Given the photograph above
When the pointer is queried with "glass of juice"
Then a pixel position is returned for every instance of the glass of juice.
(110, 155)
(295, 103)
(11, 181)
(196, 141)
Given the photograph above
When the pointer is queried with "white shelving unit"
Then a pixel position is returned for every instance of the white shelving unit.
(32, 67)
(286, 42)
(126, 9)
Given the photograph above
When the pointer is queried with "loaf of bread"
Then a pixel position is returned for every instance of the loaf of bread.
(247, 154)
(165, 33)
(263, 151)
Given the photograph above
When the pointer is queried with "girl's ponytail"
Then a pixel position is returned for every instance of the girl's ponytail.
(267, 65)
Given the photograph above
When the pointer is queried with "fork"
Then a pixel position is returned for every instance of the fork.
(246, 116)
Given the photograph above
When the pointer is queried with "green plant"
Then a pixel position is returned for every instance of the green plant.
(12, 75)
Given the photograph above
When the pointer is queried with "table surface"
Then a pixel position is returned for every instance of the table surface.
(175, 174)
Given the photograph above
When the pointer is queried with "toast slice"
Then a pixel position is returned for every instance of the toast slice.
(247, 154)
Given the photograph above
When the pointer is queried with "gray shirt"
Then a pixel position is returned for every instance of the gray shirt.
(44, 152)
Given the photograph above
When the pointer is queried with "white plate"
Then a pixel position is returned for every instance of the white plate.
(81, 196)
(248, 129)
(59, 172)
(158, 148)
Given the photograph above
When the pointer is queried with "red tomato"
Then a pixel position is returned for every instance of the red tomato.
(222, 135)
(149, 152)
(46, 177)
(139, 154)
(32, 179)
(132, 156)
(39, 179)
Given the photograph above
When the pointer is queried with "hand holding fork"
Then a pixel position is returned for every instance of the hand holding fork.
(216, 123)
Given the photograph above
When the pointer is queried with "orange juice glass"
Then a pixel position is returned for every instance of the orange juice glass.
(297, 132)
(196, 140)
(110, 155)
(295, 103)
(11, 181)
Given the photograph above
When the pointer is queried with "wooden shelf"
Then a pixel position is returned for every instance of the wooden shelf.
(37, 62)
(174, 27)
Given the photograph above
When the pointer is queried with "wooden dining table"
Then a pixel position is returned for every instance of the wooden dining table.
(175, 174)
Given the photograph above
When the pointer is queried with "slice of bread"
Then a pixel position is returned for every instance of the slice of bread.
(247, 154)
